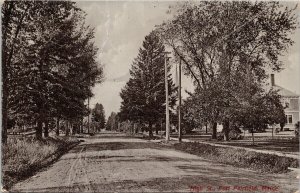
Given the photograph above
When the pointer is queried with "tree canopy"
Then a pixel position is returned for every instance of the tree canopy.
(227, 45)
(112, 122)
(98, 116)
(144, 94)
(49, 61)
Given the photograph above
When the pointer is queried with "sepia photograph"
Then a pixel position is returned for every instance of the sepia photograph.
(150, 96)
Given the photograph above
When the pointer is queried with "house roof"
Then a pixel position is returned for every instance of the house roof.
(285, 92)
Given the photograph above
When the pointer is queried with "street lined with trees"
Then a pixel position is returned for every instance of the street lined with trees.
(50, 64)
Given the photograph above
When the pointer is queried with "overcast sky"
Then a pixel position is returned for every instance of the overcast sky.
(120, 30)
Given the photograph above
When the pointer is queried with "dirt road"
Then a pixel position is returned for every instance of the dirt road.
(116, 163)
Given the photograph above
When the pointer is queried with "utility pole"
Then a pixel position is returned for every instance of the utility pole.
(167, 99)
(167, 96)
(89, 115)
(179, 103)
(89, 106)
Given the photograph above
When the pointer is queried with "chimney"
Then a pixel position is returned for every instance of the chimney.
(272, 80)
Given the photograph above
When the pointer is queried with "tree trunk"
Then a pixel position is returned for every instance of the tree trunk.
(57, 126)
(135, 128)
(77, 128)
(67, 129)
(252, 136)
(226, 130)
(39, 130)
(7, 55)
(214, 130)
(161, 125)
(46, 129)
(156, 129)
(71, 129)
(150, 130)
(206, 128)
(81, 127)
(4, 112)
(282, 126)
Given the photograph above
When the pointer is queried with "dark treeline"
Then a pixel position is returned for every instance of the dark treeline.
(48, 64)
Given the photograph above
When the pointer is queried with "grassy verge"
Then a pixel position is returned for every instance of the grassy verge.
(280, 144)
(22, 158)
(239, 157)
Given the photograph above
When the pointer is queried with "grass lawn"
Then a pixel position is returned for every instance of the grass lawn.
(21, 158)
(284, 142)
(264, 141)
(261, 162)
(280, 144)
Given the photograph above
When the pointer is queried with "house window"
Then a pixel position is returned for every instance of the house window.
(289, 119)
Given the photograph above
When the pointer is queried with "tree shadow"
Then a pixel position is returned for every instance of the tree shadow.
(104, 146)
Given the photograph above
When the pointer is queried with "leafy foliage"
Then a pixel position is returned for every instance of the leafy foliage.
(98, 116)
(112, 122)
(49, 61)
(262, 110)
(226, 48)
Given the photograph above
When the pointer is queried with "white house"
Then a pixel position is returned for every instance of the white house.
(290, 101)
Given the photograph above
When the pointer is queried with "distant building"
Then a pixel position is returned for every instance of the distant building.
(290, 101)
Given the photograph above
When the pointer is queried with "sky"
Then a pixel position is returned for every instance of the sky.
(120, 28)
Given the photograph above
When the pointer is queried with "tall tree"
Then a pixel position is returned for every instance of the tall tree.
(262, 109)
(112, 122)
(13, 15)
(144, 94)
(52, 73)
(98, 116)
(220, 42)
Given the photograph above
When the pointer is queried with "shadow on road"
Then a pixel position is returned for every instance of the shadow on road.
(115, 146)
